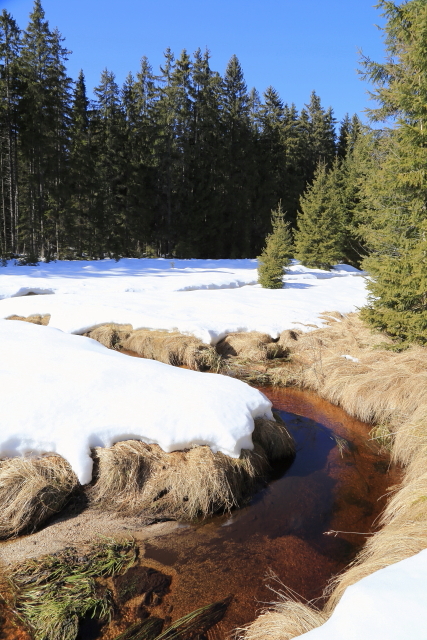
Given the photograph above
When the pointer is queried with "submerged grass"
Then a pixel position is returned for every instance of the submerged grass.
(53, 593)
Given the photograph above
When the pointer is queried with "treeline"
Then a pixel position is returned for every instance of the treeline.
(185, 163)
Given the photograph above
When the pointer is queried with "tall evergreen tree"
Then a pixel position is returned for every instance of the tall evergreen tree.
(10, 45)
(396, 191)
(238, 164)
(319, 239)
(43, 112)
(109, 135)
(80, 223)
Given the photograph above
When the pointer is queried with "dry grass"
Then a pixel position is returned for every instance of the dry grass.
(32, 490)
(285, 618)
(251, 346)
(110, 335)
(134, 477)
(34, 319)
(387, 389)
(169, 347)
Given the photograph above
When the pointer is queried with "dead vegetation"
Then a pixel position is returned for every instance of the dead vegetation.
(31, 491)
(134, 477)
(376, 385)
(170, 347)
(252, 346)
(34, 319)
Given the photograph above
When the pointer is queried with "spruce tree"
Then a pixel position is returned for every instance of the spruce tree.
(319, 239)
(10, 45)
(395, 192)
(277, 253)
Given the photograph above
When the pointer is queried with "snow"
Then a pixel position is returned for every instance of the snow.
(352, 358)
(208, 299)
(65, 394)
(390, 604)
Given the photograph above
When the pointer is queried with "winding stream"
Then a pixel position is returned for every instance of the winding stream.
(337, 483)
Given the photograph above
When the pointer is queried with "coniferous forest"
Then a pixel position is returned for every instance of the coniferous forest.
(188, 163)
(183, 162)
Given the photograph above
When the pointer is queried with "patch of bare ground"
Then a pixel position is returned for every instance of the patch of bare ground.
(348, 365)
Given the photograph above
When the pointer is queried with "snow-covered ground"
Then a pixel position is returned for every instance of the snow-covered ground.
(208, 299)
(390, 604)
(65, 394)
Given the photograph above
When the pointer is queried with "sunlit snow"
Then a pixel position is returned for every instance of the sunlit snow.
(390, 604)
(208, 299)
(65, 394)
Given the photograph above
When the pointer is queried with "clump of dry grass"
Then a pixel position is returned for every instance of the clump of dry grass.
(173, 348)
(134, 477)
(284, 619)
(251, 346)
(34, 319)
(169, 347)
(110, 335)
(32, 490)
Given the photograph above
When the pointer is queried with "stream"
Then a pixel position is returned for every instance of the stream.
(337, 483)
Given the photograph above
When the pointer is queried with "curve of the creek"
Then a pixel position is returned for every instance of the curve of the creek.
(304, 527)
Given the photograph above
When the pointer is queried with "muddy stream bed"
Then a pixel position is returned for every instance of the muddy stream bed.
(333, 485)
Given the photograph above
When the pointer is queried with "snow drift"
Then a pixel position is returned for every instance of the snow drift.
(67, 394)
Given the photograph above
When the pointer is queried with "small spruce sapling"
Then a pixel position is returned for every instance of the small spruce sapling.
(277, 252)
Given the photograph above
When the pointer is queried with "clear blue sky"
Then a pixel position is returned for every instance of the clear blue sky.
(294, 45)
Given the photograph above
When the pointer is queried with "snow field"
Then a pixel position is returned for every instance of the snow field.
(390, 604)
(208, 299)
(66, 394)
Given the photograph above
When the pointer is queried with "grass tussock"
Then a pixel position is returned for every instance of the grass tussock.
(134, 477)
(31, 491)
(110, 335)
(169, 347)
(389, 389)
(251, 346)
(285, 618)
(53, 593)
(34, 319)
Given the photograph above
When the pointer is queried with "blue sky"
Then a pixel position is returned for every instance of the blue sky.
(294, 45)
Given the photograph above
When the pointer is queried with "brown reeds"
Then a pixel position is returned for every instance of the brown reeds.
(134, 477)
(170, 347)
(34, 319)
(376, 385)
(31, 491)
(251, 346)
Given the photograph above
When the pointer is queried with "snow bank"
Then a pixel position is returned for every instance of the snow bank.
(66, 394)
(83, 302)
(390, 604)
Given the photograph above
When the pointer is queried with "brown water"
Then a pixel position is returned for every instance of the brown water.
(285, 527)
